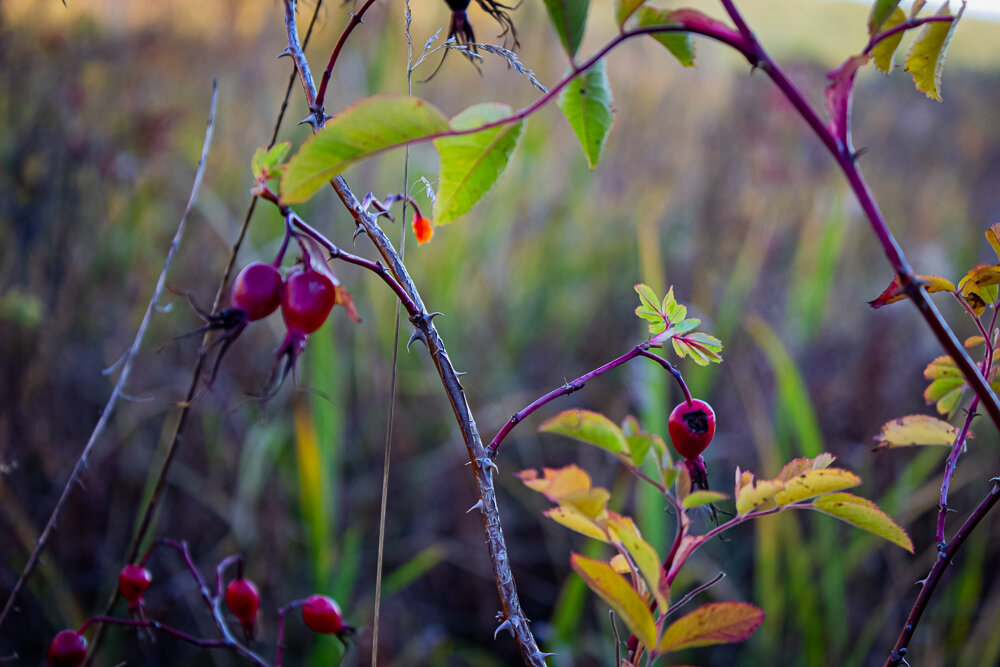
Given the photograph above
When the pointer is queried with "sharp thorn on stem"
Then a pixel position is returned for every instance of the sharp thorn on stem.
(416, 335)
(477, 506)
(287, 52)
(488, 465)
(506, 625)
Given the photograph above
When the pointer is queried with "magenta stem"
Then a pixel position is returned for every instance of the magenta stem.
(577, 384)
(903, 27)
(328, 72)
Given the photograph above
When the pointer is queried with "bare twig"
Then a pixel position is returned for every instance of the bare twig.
(126, 368)
(185, 407)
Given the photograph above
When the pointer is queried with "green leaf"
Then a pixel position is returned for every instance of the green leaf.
(715, 623)
(916, 430)
(699, 498)
(367, 127)
(613, 589)
(679, 44)
(264, 162)
(472, 163)
(884, 50)
(624, 9)
(880, 14)
(925, 61)
(586, 103)
(569, 17)
(640, 442)
(592, 428)
(864, 514)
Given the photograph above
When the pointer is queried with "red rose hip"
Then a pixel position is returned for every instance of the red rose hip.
(257, 290)
(243, 600)
(307, 300)
(321, 614)
(692, 427)
(133, 582)
(68, 649)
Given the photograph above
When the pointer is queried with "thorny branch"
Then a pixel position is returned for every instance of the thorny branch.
(514, 617)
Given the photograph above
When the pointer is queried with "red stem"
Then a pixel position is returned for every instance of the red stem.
(903, 27)
(577, 384)
(328, 72)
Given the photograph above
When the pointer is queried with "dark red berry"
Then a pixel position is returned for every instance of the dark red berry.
(692, 427)
(133, 582)
(307, 300)
(68, 649)
(243, 600)
(257, 290)
(321, 614)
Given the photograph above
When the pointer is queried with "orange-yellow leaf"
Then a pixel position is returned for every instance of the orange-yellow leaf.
(569, 486)
(973, 341)
(916, 430)
(574, 520)
(715, 623)
(814, 483)
(620, 564)
(894, 292)
(978, 286)
(942, 367)
(864, 514)
(601, 578)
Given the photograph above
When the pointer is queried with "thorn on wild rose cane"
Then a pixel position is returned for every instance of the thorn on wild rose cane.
(506, 625)
(478, 505)
(416, 335)
(286, 53)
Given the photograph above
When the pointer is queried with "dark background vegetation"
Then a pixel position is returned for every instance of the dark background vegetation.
(709, 182)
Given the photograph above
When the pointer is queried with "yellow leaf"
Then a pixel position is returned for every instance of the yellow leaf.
(916, 430)
(864, 514)
(683, 483)
(623, 531)
(620, 564)
(568, 486)
(601, 578)
(925, 61)
(715, 623)
(750, 493)
(894, 292)
(814, 483)
(942, 367)
(796, 467)
(574, 520)
(884, 50)
(993, 236)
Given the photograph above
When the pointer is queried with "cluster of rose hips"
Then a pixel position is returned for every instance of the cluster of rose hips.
(306, 296)
(320, 613)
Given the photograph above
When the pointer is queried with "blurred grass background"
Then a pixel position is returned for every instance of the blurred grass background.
(708, 183)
